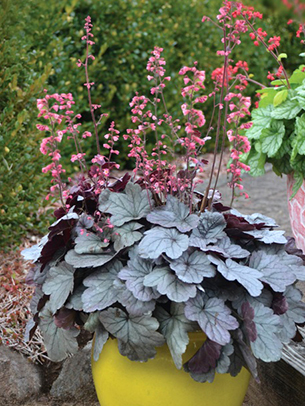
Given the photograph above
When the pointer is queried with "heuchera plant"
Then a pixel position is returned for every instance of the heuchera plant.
(146, 258)
(277, 134)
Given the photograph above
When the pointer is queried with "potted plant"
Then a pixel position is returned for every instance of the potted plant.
(148, 263)
(277, 132)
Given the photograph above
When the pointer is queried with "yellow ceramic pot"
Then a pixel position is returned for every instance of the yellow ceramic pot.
(121, 382)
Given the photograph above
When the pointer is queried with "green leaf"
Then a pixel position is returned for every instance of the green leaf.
(233, 271)
(297, 77)
(281, 165)
(265, 90)
(280, 97)
(137, 335)
(289, 109)
(193, 267)
(298, 164)
(134, 273)
(275, 273)
(174, 214)
(167, 283)
(89, 243)
(267, 346)
(213, 317)
(133, 204)
(126, 235)
(298, 143)
(298, 181)
(285, 148)
(257, 162)
(271, 138)
(101, 337)
(262, 116)
(267, 98)
(160, 240)
(88, 260)
(101, 292)
(277, 82)
(174, 326)
(59, 284)
(59, 342)
(281, 56)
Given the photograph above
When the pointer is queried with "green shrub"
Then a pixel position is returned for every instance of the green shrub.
(40, 44)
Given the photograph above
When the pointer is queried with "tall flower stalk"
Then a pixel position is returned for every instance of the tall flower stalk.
(154, 169)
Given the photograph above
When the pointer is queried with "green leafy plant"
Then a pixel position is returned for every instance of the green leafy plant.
(277, 133)
(278, 122)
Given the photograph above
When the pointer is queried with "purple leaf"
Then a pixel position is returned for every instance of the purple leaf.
(279, 303)
(220, 207)
(65, 318)
(244, 355)
(239, 223)
(205, 358)
(248, 316)
(120, 184)
(292, 249)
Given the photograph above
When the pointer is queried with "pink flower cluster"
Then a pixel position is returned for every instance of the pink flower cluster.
(56, 108)
(298, 8)
(239, 107)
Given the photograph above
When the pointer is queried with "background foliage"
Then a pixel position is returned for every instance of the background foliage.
(40, 43)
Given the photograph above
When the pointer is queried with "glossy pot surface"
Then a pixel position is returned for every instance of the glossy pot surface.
(121, 382)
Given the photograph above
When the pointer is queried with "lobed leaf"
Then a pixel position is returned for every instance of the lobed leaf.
(272, 138)
(100, 338)
(174, 326)
(174, 214)
(213, 317)
(59, 284)
(89, 243)
(267, 345)
(137, 335)
(59, 342)
(204, 360)
(275, 273)
(210, 227)
(248, 277)
(133, 305)
(160, 240)
(88, 260)
(193, 267)
(269, 236)
(289, 109)
(101, 291)
(133, 204)
(126, 235)
(134, 273)
(294, 314)
(167, 283)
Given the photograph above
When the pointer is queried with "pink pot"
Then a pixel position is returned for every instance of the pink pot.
(296, 207)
